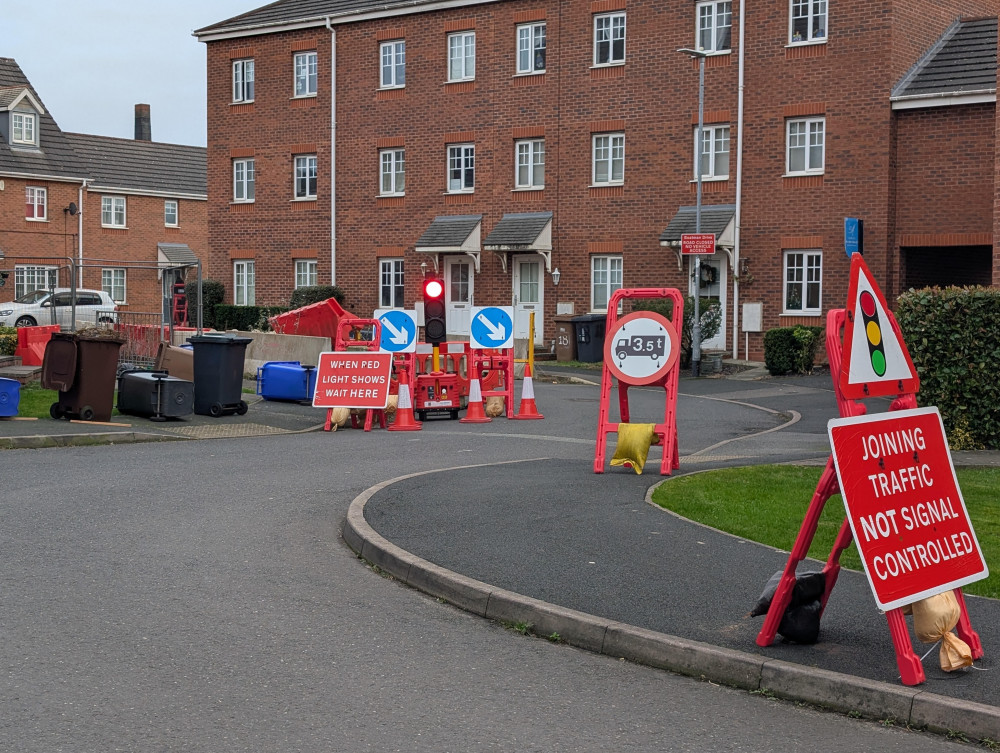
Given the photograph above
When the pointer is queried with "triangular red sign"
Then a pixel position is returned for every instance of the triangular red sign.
(876, 362)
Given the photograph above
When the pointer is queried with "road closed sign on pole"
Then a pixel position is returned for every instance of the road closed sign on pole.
(352, 380)
(904, 505)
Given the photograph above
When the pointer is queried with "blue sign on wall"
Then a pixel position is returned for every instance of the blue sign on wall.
(854, 236)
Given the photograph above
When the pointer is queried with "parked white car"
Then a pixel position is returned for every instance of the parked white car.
(45, 307)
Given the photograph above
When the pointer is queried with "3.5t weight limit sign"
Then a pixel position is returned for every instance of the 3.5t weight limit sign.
(641, 348)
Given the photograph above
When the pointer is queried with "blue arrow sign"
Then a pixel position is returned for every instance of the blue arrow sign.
(399, 330)
(492, 327)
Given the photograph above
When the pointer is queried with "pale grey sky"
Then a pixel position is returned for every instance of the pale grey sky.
(92, 61)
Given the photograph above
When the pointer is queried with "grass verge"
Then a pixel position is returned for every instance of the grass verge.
(767, 503)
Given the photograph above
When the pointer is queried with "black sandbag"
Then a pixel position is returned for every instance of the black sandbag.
(809, 587)
(800, 624)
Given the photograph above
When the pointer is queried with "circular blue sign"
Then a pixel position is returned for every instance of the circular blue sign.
(491, 327)
(399, 331)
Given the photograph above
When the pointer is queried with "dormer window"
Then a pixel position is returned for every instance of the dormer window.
(23, 130)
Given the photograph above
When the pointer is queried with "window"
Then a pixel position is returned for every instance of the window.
(113, 283)
(305, 177)
(391, 283)
(244, 283)
(23, 127)
(806, 145)
(305, 273)
(808, 20)
(461, 168)
(531, 48)
(393, 172)
(243, 180)
(608, 159)
(35, 203)
(530, 164)
(605, 279)
(113, 211)
(462, 56)
(243, 80)
(609, 39)
(714, 152)
(715, 22)
(170, 213)
(305, 74)
(393, 56)
(803, 278)
(29, 278)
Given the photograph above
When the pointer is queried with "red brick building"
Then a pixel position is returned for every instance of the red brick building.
(126, 215)
(543, 153)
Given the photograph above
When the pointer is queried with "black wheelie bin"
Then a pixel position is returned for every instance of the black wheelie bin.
(155, 394)
(218, 373)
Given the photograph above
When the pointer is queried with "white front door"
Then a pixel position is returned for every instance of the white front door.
(713, 285)
(458, 295)
(528, 296)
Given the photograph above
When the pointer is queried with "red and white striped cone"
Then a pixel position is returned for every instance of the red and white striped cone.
(405, 420)
(528, 408)
(475, 414)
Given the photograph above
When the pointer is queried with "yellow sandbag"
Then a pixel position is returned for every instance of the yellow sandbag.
(339, 417)
(933, 620)
(633, 445)
(495, 406)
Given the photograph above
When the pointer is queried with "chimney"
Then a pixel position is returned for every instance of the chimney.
(143, 126)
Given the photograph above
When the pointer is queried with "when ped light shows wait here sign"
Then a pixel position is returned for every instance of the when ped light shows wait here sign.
(904, 505)
(352, 380)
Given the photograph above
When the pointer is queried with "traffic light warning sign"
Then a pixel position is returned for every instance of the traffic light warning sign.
(876, 362)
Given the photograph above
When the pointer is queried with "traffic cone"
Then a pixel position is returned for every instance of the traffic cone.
(405, 420)
(475, 413)
(528, 409)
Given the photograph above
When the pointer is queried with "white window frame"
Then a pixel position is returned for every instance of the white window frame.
(243, 80)
(461, 162)
(808, 136)
(808, 21)
(37, 198)
(305, 177)
(306, 273)
(802, 275)
(113, 283)
(530, 39)
(392, 172)
(462, 56)
(24, 128)
(391, 284)
(244, 282)
(605, 279)
(171, 212)
(304, 73)
(529, 164)
(30, 277)
(113, 211)
(714, 26)
(244, 181)
(392, 64)
(714, 137)
(609, 29)
(603, 150)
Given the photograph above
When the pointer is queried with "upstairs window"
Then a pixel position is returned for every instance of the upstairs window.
(808, 20)
(608, 159)
(305, 74)
(806, 140)
(530, 164)
(715, 23)
(462, 56)
(305, 273)
(393, 57)
(28, 278)
(170, 213)
(35, 200)
(244, 178)
(243, 80)
(23, 129)
(305, 177)
(531, 48)
(461, 168)
(392, 181)
(113, 211)
(713, 157)
(609, 39)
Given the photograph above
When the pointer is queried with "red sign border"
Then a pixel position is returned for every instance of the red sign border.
(368, 354)
(699, 237)
(659, 374)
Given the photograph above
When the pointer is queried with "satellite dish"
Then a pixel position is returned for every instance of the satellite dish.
(72, 209)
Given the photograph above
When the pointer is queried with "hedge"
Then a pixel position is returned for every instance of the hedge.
(791, 350)
(245, 318)
(213, 292)
(314, 294)
(953, 335)
(8, 341)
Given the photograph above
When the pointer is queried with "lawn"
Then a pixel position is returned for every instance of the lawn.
(35, 401)
(768, 503)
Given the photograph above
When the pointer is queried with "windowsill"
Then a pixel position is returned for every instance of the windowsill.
(523, 74)
(114, 227)
(816, 174)
(313, 95)
(526, 189)
(715, 179)
(806, 43)
(175, 226)
(459, 193)
(460, 81)
(617, 184)
(717, 53)
(802, 313)
(302, 199)
(239, 203)
(616, 64)
(390, 196)
(244, 102)
(36, 219)
(390, 88)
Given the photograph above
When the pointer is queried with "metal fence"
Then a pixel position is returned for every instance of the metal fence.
(143, 333)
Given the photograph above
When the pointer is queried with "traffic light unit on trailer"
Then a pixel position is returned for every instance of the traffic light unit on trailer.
(435, 328)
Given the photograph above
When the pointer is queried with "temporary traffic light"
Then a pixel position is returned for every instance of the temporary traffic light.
(873, 332)
(435, 328)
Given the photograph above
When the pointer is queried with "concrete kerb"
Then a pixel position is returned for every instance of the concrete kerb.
(833, 690)
(43, 441)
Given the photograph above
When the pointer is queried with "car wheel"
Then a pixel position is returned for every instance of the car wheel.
(25, 321)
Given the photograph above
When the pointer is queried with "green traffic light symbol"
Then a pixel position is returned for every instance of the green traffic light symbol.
(873, 331)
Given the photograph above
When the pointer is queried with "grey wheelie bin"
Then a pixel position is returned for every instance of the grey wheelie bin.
(218, 373)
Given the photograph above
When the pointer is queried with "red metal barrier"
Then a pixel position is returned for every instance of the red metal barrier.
(316, 320)
(31, 342)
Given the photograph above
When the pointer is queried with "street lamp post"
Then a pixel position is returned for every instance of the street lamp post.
(696, 321)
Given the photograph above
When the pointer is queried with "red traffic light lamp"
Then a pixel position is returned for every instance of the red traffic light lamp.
(435, 327)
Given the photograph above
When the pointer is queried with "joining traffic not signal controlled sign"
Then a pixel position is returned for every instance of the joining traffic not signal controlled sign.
(435, 327)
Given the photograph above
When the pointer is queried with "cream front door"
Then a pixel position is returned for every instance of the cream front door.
(528, 296)
(458, 282)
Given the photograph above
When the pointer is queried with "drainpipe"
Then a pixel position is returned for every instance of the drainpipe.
(333, 152)
(79, 231)
(739, 186)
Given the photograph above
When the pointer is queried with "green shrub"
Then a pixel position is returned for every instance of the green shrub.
(953, 335)
(314, 294)
(8, 341)
(791, 350)
(245, 318)
(709, 312)
(213, 293)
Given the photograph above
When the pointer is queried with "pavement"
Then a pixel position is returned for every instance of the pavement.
(567, 554)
